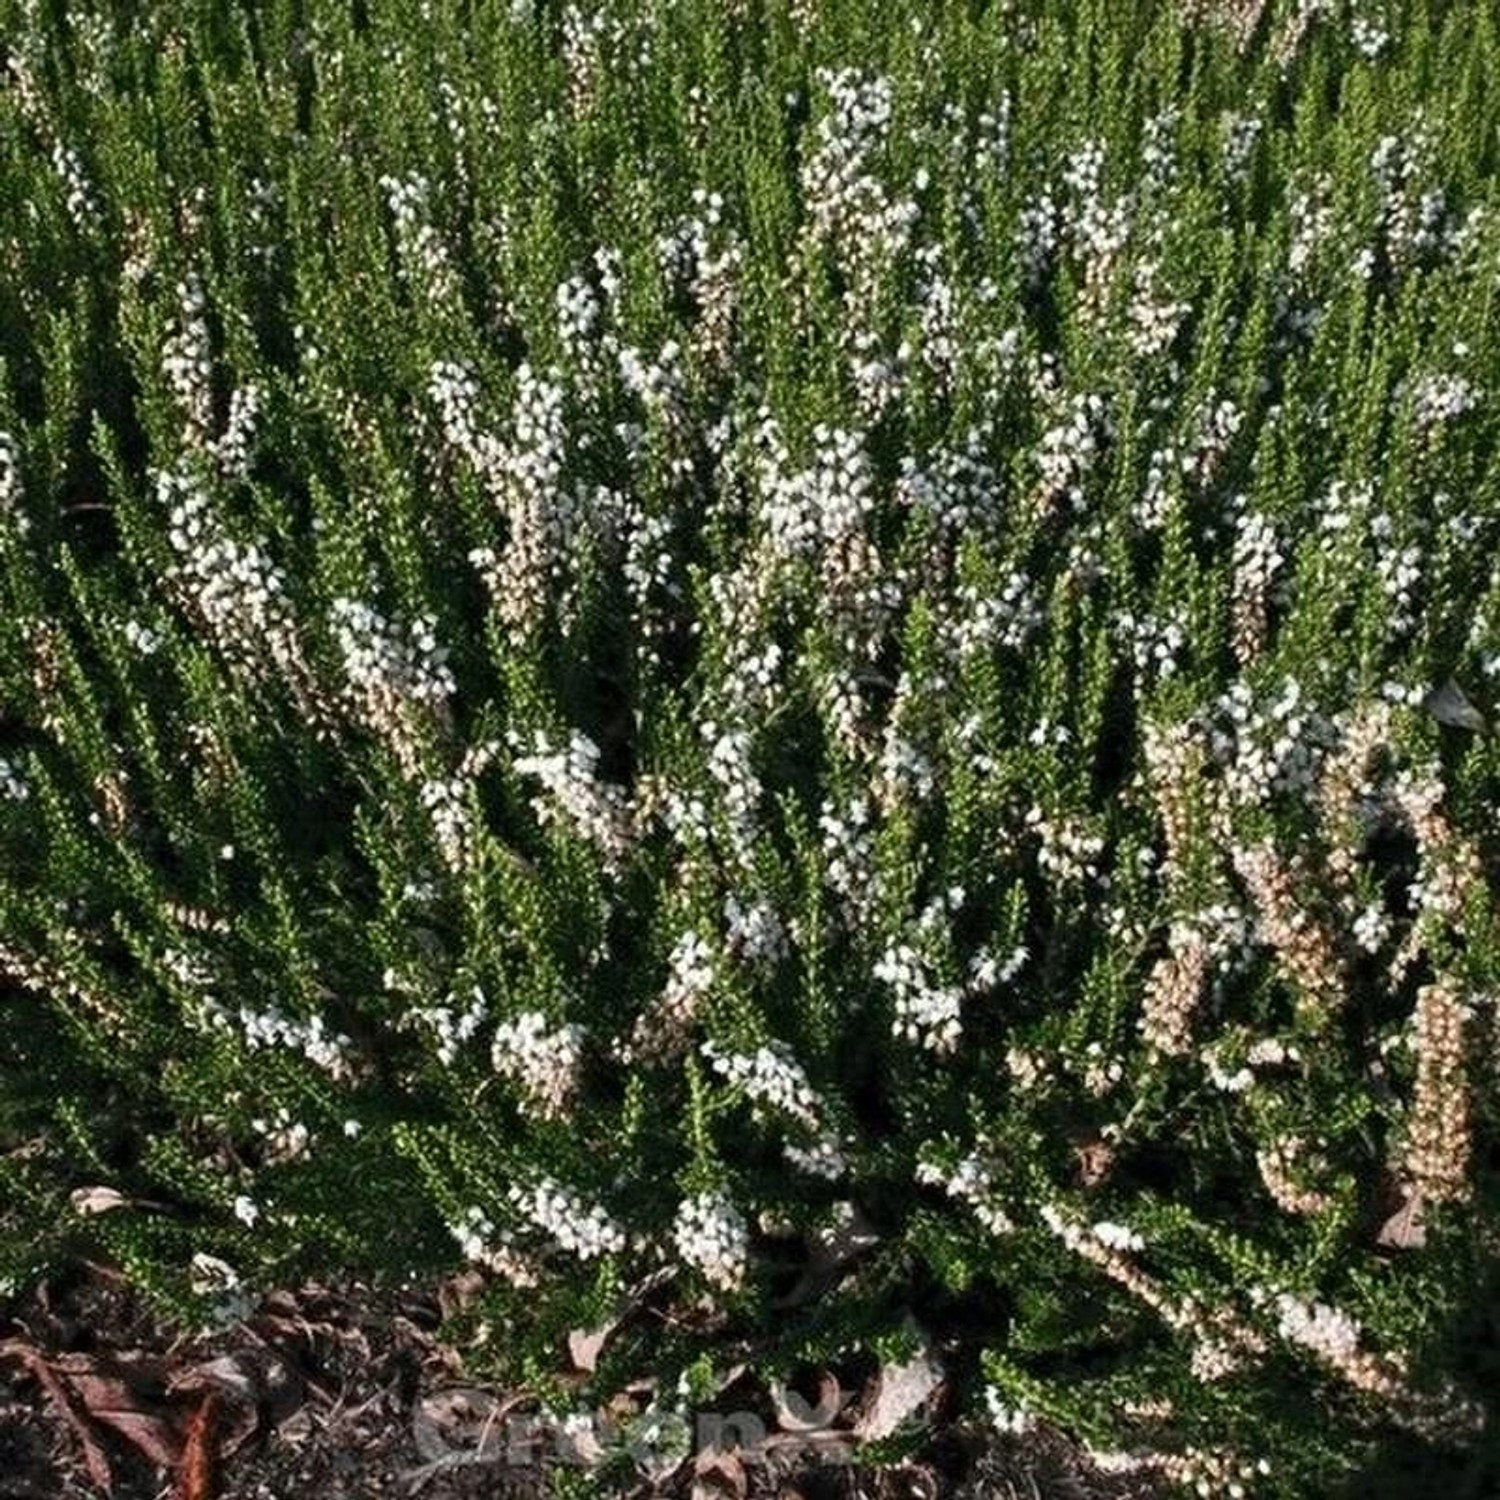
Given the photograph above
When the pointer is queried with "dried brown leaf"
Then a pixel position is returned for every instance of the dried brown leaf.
(586, 1344)
(901, 1390)
(718, 1476)
(1405, 1228)
(96, 1200)
(794, 1413)
(195, 1472)
(94, 1456)
(127, 1396)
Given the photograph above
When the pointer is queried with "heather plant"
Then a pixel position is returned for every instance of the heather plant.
(821, 667)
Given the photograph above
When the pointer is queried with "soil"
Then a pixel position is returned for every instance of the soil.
(343, 1393)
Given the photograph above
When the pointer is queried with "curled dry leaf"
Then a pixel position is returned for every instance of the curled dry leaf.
(831, 1249)
(794, 1413)
(96, 1200)
(240, 1385)
(1095, 1157)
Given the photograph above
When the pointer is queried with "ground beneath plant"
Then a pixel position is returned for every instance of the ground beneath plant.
(345, 1393)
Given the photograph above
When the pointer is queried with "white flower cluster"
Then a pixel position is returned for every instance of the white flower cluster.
(1417, 224)
(1069, 853)
(1194, 463)
(1441, 398)
(234, 589)
(453, 822)
(1067, 451)
(711, 1236)
(1370, 38)
(1117, 1236)
(285, 1139)
(1038, 233)
(971, 1182)
(187, 363)
(768, 1077)
(1154, 319)
(958, 489)
(329, 1050)
(580, 1228)
(10, 482)
(454, 1023)
(1005, 620)
(690, 972)
(820, 506)
(847, 847)
(232, 447)
(926, 1013)
(484, 1246)
(849, 208)
(704, 260)
(1155, 642)
(595, 45)
(455, 393)
(83, 207)
(1270, 749)
(524, 479)
(388, 664)
(1241, 132)
(907, 768)
(1237, 1074)
(753, 932)
(597, 811)
(1096, 230)
(12, 784)
(658, 384)
(1326, 1331)
(545, 1060)
(1258, 559)
(730, 767)
(426, 266)
(824, 1157)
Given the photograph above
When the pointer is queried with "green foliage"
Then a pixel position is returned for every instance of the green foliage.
(806, 664)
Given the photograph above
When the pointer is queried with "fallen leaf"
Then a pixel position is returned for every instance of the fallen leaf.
(240, 1387)
(1405, 1228)
(96, 1200)
(128, 1396)
(795, 1414)
(718, 1475)
(461, 1424)
(900, 1390)
(1450, 705)
(849, 1235)
(586, 1344)
(94, 1457)
(1096, 1159)
(195, 1472)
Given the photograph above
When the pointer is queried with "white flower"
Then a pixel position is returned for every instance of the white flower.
(1117, 1236)
(544, 1060)
(711, 1235)
(581, 1228)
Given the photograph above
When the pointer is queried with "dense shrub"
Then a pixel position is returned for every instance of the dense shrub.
(643, 643)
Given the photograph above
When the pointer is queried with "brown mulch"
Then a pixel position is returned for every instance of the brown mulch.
(348, 1394)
